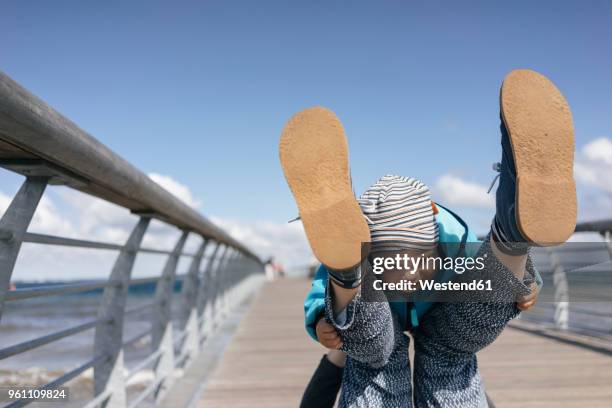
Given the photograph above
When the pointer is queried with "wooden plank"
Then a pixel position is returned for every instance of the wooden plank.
(526, 370)
(271, 358)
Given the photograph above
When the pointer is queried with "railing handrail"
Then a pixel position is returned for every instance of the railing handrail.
(42, 137)
(41, 144)
(600, 226)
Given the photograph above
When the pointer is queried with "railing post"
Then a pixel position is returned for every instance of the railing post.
(218, 284)
(607, 235)
(223, 283)
(13, 226)
(108, 374)
(230, 281)
(561, 292)
(189, 313)
(242, 277)
(161, 331)
(203, 297)
(234, 279)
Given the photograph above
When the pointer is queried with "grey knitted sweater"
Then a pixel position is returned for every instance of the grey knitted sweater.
(377, 372)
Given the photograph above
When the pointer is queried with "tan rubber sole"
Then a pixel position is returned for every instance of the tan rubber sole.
(541, 131)
(314, 157)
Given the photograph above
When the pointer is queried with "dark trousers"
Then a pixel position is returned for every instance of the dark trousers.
(324, 386)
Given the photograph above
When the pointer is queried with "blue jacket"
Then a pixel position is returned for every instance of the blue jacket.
(454, 233)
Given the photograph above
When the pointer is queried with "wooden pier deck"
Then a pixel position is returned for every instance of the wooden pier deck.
(270, 359)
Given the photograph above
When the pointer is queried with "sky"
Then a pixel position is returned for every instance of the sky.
(196, 94)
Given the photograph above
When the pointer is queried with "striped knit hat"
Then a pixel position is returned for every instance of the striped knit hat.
(400, 214)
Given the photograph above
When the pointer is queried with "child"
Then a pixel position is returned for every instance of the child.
(536, 205)
(322, 389)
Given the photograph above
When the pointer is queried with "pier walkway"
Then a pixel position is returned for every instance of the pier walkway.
(270, 359)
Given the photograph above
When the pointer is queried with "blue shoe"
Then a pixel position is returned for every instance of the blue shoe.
(536, 197)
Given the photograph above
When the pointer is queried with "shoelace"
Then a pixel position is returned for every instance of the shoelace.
(497, 168)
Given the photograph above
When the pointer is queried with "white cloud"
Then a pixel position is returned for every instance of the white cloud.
(462, 193)
(599, 150)
(593, 165)
(593, 172)
(4, 202)
(95, 218)
(179, 190)
(46, 218)
(69, 213)
(99, 220)
(285, 241)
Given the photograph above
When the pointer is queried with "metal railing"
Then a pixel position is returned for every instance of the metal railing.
(577, 277)
(45, 147)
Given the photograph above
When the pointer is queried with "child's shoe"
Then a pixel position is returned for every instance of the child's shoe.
(536, 197)
(314, 157)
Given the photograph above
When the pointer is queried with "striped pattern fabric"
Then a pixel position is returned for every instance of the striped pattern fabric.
(400, 215)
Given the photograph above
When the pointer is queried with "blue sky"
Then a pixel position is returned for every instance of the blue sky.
(199, 91)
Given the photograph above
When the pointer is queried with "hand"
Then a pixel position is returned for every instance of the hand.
(327, 335)
(526, 302)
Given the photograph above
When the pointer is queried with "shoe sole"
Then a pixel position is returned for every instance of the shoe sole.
(541, 131)
(314, 157)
